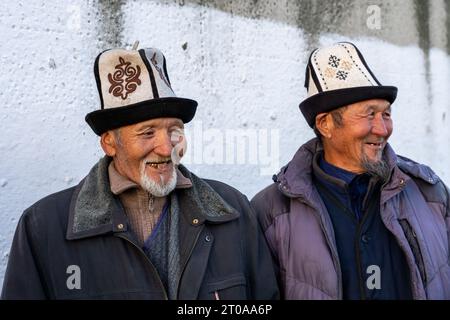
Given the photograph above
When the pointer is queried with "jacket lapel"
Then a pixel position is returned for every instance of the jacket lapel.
(94, 210)
(194, 271)
(199, 206)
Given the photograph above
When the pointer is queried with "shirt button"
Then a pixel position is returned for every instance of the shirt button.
(207, 238)
(195, 222)
(365, 238)
(120, 226)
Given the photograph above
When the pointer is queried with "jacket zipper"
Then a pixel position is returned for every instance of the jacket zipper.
(189, 256)
(411, 238)
(151, 264)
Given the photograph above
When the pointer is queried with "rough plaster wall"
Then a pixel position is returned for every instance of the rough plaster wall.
(243, 61)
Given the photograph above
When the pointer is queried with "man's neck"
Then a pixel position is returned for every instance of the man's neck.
(142, 208)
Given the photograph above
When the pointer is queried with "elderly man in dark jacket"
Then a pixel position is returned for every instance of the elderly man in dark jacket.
(347, 218)
(140, 226)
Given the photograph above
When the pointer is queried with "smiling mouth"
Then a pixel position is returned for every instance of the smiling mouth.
(158, 164)
(377, 145)
(374, 144)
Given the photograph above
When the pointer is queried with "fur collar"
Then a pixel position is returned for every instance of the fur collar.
(94, 209)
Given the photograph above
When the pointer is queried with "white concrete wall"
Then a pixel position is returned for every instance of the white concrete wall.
(244, 63)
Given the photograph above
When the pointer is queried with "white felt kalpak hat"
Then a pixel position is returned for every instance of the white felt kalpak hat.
(337, 76)
(134, 86)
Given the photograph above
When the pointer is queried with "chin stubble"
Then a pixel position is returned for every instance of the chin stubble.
(158, 188)
(378, 168)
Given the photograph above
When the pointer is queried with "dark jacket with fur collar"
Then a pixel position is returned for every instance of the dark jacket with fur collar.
(76, 244)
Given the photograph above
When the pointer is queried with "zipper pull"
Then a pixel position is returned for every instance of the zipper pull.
(151, 202)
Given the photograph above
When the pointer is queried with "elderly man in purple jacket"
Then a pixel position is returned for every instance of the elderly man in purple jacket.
(347, 218)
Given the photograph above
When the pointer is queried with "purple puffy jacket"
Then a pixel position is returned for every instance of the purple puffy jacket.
(414, 207)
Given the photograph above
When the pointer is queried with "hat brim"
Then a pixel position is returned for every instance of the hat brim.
(329, 100)
(172, 107)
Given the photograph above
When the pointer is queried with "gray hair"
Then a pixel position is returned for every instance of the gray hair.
(336, 115)
(117, 136)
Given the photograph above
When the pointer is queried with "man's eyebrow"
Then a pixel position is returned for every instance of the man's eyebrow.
(144, 127)
(176, 123)
(172, 123)
(384, 108)
(367, 108)
(376, 107)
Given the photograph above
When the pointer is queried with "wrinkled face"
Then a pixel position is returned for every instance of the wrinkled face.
(142, 152)
(365, 130)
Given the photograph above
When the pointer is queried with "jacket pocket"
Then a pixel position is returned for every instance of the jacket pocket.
(233, 287)
(411, 237)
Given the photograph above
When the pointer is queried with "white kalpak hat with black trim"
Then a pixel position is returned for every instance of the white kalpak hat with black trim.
(337, 76)
(134, 86)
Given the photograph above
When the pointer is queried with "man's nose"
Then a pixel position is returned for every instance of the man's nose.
(380, 127)
(163, 145)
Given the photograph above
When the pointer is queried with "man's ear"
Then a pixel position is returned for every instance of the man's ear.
(324, 124)
(108, 143)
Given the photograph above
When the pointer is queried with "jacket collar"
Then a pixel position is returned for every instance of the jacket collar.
(403, 172)
(295, 179)
(95, 210)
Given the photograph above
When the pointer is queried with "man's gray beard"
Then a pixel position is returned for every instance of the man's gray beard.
(378, 168)
(158, 189)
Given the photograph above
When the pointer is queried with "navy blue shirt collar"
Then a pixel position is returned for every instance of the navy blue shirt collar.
(336, 172)
(349, 187)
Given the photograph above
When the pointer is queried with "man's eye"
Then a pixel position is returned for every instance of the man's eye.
(387, 115)
(148, 133)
